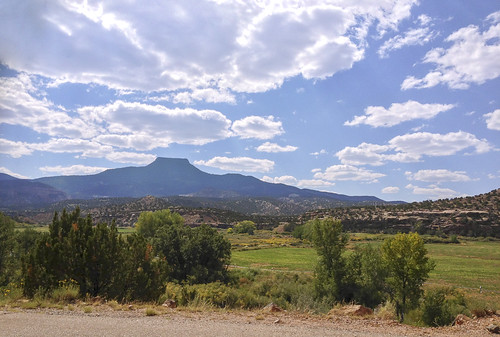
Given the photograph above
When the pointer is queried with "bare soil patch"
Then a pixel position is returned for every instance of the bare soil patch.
(104, 321)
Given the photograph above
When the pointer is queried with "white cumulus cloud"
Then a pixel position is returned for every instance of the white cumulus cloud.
(459, 67)
(91, 149)
(364, 154)
(493, 120)
(209, 95)
(287, 180)
(348, 172)
(390, 190)
(72, 170)
(433, 191)
(303, 183)
(438, 176)
(412, 147)
(14, 149)
(378, 116)
(273, 147)
(21, 103)
(239, 164)
(416, 36)
(432, 144)
(146, 127)
(314, 183)
(243, 46)
(257, 127)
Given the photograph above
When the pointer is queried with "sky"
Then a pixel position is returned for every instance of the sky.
(398, 99)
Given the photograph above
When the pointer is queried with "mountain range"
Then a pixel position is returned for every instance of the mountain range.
(165, 177)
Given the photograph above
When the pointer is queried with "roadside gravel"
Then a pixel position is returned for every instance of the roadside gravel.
(108, 323)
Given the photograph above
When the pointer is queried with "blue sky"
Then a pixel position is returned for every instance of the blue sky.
(397, 99)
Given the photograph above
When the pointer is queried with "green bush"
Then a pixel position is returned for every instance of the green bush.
(10, 293)
(440, 306)
(151, 312)
(67, 292)
(214, 294)
(249, 289)
(246, 226)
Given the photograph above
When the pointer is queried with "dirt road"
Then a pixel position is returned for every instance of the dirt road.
(110, 324)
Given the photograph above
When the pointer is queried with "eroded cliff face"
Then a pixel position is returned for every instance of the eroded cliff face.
(472, 216)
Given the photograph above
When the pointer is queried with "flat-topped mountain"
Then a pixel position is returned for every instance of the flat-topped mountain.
(172, 177)
(165, 177)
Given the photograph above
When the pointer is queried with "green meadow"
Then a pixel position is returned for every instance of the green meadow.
(467, 265)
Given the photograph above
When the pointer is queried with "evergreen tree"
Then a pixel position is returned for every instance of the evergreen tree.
(7, 246)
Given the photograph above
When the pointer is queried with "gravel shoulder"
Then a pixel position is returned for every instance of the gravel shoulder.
(104, 321)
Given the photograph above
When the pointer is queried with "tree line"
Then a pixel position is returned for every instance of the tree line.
(395, 271)
(103, 263)
(163, 250)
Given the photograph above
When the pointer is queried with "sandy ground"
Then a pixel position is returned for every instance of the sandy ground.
(109, 323)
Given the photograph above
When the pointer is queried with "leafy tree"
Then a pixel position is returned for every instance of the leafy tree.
(7, 246)
(207, 254)
(330, 243)
(149, 222)
(198, 255)
(366, 274)
(246, 226)
(170, 241)
(408, 267)
(304, 231)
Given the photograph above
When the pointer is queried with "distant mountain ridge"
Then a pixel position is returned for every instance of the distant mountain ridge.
(167, 177)
(174, 176)
(15, 192)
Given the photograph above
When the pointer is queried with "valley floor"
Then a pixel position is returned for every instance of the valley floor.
(103, 321)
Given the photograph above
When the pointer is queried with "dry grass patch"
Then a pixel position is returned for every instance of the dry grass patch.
(151, 311)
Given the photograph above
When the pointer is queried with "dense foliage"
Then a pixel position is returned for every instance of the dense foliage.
(195, 255)
(405, 258)
(368, 275)
(246, 226)
(165, 259)
(101, 263)
(7, 243)
(330, 243)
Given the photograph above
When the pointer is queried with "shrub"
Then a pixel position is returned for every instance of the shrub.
(10, 293)
(366, 275)
(250, 289)
(441, 305)
(151, 312)
(67, 292)
(386, 310)
(215, 294)
(245, 227)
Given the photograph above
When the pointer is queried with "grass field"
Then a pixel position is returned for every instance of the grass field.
(284, 258)
(467, 265)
